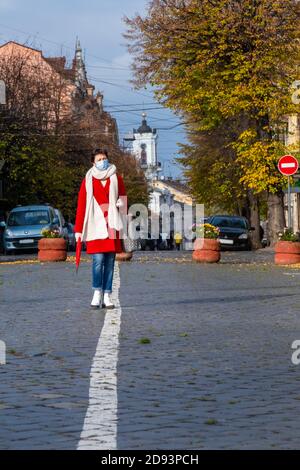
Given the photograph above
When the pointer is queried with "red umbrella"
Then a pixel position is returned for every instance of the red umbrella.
(78, 253)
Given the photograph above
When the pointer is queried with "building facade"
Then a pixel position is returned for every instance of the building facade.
(57, 93)
(65, 90)
(291, 138)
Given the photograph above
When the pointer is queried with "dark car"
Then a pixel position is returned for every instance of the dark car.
(71, 237)
(148, 244)
(234, 231)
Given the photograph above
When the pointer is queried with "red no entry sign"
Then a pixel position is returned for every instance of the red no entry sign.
(288, 165)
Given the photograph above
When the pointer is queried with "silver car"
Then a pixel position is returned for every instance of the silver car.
(24, 226)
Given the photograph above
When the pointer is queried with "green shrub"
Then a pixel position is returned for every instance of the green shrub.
(288, 236)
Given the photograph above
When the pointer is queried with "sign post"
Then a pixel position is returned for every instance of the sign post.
(288, 165)
(289, 203)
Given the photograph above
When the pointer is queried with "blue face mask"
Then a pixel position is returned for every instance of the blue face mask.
(102, 164)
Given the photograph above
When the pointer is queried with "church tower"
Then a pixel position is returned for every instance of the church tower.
(144, 147)
(81, 80)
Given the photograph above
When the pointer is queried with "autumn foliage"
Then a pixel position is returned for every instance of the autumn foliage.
(226, 67)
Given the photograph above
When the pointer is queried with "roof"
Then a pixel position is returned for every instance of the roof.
(58, 63)
(178, 185)
(144, 128)
(229, 216)
(31, 207)
(21, 45)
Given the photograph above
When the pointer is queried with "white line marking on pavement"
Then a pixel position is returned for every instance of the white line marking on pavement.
(100, 425)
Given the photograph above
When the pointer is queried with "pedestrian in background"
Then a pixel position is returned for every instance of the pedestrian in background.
(98, 223)
(178, 240)
(170, 240)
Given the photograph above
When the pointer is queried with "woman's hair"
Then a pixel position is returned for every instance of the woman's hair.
(99, 151)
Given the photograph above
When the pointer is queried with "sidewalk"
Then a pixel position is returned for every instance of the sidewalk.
(258, 256)
(204, 354)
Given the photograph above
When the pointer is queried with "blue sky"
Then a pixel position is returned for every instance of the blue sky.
(53, 26)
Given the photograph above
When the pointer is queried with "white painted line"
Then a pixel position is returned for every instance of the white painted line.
(100, 425)
(288, 165)
(295, 273)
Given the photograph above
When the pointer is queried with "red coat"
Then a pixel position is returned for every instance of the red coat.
(101, 194)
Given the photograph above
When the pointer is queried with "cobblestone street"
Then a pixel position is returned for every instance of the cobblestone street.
(193, 357)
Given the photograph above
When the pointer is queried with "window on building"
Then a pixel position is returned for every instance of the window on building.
(143, 154)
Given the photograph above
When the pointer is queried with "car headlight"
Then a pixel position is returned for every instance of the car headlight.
(45, 227)
(243, 236)
(9, 234)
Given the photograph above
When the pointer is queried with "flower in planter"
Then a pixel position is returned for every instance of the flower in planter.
(287, 249)
(206, 244)
(288, 236)
(52, 246)
(206, 231)
(50, 233)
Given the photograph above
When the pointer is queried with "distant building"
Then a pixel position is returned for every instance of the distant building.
(291, 137)
(142, 143)
(77, 99)
(64, 92)
(175, 190)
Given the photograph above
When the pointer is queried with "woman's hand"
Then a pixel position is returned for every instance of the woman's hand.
(119, 203)
(77, 236)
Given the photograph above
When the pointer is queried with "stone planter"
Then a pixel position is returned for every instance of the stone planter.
(206, 250)
(52, 249)
(287, 252)
(124, 256)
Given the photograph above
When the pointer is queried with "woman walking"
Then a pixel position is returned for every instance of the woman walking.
(98, 222)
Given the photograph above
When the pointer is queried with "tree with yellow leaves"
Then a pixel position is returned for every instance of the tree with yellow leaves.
(215, 61)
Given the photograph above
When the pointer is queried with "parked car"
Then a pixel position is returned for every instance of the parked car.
(234, 231)
(148, 244)
(62, 225)
(24, 226)
(2, 228)
(71, 237)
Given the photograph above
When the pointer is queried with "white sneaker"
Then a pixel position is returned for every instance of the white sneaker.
(96, 301)
(107, 303)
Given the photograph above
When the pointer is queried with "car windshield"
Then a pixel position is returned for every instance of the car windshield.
(230, 222)
(35, 217)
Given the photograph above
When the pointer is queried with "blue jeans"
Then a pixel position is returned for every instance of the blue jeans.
(103, 271)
